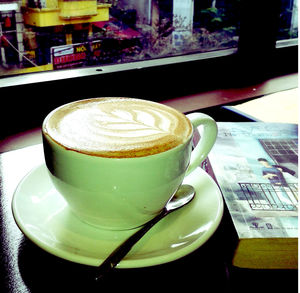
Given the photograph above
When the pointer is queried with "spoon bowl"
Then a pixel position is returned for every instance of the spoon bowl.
(183, 196)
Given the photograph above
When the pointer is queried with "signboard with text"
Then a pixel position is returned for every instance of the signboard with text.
(75, 55)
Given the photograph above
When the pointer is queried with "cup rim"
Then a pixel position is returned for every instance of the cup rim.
(47, 135)
(161, 154)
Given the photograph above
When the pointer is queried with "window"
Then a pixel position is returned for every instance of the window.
(288, 20)
(54, 35)
(41, 35)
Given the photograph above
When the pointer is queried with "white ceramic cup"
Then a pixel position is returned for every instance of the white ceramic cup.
(124, 193)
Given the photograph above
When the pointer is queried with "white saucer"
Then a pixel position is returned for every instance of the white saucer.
(44, 217)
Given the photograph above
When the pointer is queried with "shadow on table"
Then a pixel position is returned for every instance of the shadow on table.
(43, 272)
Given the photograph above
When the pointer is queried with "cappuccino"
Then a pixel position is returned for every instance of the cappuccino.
(117, 127)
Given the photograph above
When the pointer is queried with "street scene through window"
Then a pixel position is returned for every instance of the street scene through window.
(42, 35)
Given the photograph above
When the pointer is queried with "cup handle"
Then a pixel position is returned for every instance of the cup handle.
(208, 134)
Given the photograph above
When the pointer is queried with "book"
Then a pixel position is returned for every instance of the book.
(256, 167)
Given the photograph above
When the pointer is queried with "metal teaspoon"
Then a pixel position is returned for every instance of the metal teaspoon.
(183, 195)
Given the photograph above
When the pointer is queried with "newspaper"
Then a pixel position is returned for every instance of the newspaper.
(256, 166)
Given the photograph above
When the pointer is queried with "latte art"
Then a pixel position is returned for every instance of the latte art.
(117, 127)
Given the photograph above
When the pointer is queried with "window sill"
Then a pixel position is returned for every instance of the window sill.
(221, 97)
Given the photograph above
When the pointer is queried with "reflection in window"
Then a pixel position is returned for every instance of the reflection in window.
(288, 21)
(37, 35)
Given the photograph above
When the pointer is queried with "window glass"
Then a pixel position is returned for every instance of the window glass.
(288, 21)
(38, 35)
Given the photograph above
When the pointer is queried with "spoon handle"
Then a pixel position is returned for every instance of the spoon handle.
(119, 253)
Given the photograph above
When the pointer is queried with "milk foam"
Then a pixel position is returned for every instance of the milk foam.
(117, 127)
